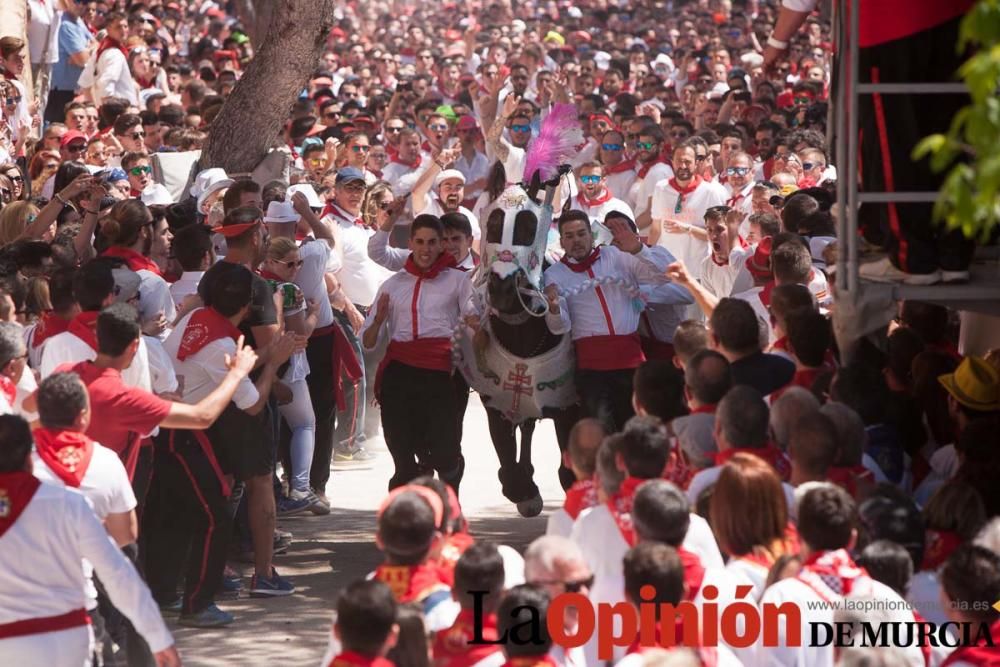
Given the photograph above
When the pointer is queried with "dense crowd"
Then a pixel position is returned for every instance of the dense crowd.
(199, 356)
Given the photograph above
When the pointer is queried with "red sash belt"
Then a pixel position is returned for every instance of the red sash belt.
(654, 348)
(345, 359)
(433, 354)
(608, 353)
(206, 448)
(37, 626)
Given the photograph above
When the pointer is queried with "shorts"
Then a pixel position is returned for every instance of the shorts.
(243, 443)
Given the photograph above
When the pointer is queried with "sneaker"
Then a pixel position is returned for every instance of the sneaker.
(231, 586)
(268, 587)
(282, 540)
(318, 506)
(290, 507)
(209, 617)
(882, 271)
(172, 608)
(358, 458)
(954, 277)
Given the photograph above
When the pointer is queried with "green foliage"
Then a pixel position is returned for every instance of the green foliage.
(970, 151)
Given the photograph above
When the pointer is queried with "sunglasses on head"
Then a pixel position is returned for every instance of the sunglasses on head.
(139, 171)
(590, 179)
(520, 128)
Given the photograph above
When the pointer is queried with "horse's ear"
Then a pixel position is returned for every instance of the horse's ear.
(534, 186)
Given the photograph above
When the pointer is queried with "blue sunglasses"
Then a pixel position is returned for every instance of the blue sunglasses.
(590, 179)
(611, 147)
(520, 128)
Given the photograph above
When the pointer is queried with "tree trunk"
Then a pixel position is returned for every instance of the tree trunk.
(255, 15)
(254, 114)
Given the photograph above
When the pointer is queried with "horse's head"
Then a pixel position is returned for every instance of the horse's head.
(503, 292)
(516, 234)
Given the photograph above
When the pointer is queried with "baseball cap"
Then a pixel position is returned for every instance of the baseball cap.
(467, 123)
(349, 175)
(71, 136)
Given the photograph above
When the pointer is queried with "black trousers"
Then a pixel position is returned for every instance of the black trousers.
(322, 388)
(55, 108)
(606, 396)
(461, 401)
(891, 126)
(192, 523)
(420, 425)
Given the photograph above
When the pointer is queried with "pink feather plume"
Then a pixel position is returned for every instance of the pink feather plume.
(559, 139)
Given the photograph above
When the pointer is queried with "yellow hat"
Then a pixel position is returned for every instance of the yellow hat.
(553, 36)
(975, 384)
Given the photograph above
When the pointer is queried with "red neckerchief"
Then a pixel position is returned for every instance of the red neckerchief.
(604, 198)
(805, 377)
(352, 659)
(295, 153)
(737, 197)
(982, 654)
(687, 189)
(580, 496)
(584, 265)
(8, 389)
(644, 169)
(451, 646)
(136, 261)
(831, 572)
(205, 326)
(940, 545)
(50, 325)
(267, 275)
(109, 43)
(765, 294)
(66, 453)
(454, 546)
(780, 344)
(694, 573)
(531, 661)
(412, 165)
(677, 469)
(84, 327)
(7, 74)
(847, 477)
(444, 261)
(768, 168)
(624, 165)
(475, 262)
(410, 582)
(620, 505)
(707, 409)
(337, 212)
(769, 453)
(17, 489)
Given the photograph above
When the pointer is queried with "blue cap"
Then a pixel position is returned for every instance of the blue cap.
(311, 141)
(349, 175)
(115, 174)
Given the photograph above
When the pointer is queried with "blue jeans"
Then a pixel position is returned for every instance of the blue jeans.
(301, 422)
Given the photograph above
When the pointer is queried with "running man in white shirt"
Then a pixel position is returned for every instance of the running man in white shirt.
(597, 201)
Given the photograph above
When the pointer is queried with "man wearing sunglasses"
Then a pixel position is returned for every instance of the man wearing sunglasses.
(813, 167)
(140, 174)
(510, 151)
(130, 134)
(597, 201)
(619, 172)
(650, 170)
(557, 564)
(740, 183)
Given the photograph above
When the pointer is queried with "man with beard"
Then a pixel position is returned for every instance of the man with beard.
(651, 169)
(604, 323)
(739, 181)
(449, 186)
(597, 201)
(407, 165)
(678, 211)
(511, 153)
(619, 172)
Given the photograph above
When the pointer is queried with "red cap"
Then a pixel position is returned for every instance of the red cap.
(759, 265)
(466, 122)
(70, 136)
(580, 36)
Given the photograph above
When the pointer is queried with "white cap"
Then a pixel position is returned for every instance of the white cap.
(602, 59)
(448, 174)
(209, 181)
(751, 60)
(310, 193)
(663, 62)
(281, 211)
(574, 12)
(518, 26)
(156, 194)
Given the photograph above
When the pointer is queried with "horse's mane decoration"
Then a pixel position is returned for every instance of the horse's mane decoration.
(558, 139)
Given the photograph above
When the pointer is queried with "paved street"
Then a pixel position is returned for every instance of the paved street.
(331, 551)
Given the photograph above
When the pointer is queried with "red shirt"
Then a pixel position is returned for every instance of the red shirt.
(120, 414)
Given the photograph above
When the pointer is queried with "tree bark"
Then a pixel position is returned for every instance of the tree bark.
(255, 15)
(255, 112)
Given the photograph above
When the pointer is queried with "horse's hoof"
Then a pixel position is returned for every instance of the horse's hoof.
(531, 507)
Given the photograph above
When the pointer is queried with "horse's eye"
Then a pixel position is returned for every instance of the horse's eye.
(525, 226)
(494, 227)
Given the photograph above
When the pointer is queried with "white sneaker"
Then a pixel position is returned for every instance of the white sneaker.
(882, 271)
(954, 277)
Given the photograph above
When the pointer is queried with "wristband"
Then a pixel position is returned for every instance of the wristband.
(58, 198)
(777, 43)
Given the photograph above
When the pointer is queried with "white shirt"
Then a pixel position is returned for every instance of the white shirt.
(643, 188)
(432, 206)
(43, 31)
(703, 479)
(204, 370)
(620, 183)
(114, 78)
(402, 177)
(394, 259)
(743, 202)
(155, 298)
(311, 278)
(359, 276)
(437, 306)
(686, 247)
(474, 170)
(185, 286)
(161, 368)
(727, 279)
(597, 214)
(40, 572)
(66, 348)
(586, 313)
(559, 523)
(752, 296)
